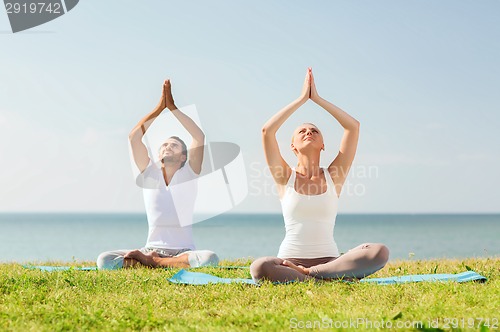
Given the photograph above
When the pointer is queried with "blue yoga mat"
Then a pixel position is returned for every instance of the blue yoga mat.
(460, 277)
(60, 268)
(197, 278)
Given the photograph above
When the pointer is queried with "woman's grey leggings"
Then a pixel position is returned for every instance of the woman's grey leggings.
(358, 262)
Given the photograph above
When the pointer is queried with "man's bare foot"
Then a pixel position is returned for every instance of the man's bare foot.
(144, 259)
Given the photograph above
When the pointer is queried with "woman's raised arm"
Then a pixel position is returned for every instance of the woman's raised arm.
(339, 167)
(280, 170)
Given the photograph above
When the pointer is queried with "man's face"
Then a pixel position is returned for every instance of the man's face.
(171, 151)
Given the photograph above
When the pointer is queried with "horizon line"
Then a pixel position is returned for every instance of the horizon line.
(255, 213)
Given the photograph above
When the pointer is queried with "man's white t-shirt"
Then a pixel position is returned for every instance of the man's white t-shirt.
(169, 208)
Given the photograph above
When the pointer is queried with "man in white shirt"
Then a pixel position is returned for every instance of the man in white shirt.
(169, 189)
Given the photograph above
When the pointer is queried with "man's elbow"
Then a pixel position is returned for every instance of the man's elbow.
(198, 139)
(201, 138)
(133, 135)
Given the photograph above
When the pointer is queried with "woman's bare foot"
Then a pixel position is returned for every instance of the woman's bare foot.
(299, 268)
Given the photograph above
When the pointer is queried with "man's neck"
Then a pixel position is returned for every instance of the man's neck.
(168, 170)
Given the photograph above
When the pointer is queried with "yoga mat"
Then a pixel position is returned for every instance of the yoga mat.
(59, 268)
(460, 277)
(197, 278)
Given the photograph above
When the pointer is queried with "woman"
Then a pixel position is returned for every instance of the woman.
(309, 199)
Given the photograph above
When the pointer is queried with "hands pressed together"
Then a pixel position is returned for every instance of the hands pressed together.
(167, 100)
(309, 88)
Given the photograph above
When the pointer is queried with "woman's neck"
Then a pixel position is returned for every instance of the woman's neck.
(308, 166)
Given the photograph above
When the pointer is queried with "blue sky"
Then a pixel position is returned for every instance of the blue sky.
(422, 77)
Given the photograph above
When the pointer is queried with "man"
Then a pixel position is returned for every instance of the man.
(169, 196)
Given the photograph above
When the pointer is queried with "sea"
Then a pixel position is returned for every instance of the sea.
(59, 237)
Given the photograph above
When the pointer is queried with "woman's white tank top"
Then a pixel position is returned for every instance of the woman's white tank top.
(309, 221)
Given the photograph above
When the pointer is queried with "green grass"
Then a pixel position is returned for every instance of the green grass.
(142, 299)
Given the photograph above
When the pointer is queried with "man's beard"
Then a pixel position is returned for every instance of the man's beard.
(170, 159)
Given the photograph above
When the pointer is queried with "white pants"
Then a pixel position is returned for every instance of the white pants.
(113, 260)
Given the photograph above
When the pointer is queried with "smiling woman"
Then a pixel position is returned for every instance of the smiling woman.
(309, 198)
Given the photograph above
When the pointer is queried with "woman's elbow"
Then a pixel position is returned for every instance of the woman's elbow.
(355, 125)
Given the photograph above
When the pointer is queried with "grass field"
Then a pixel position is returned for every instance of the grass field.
(142, 299)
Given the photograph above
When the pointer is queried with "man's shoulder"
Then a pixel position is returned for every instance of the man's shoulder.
(150, 177)
(186, 170)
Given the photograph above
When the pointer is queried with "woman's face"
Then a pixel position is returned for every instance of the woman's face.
(307, 136)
